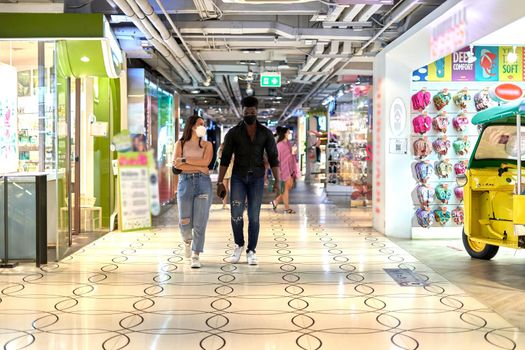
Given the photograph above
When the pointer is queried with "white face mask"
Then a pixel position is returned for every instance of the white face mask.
(289, 136)
(200, 131)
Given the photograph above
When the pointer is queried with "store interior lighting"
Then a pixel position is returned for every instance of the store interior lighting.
(249, 89)
(85, 59)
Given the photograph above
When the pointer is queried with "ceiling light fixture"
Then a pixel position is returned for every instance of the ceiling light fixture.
(196, 91)
(84, 59)
(249, 89)
(512, 56)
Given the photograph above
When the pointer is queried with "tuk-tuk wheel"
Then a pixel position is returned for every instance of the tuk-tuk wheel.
(479, 250)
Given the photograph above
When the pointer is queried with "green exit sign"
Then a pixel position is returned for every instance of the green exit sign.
(271, 80)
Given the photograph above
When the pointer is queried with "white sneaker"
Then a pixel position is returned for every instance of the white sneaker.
(195, 262)
(251, 258)
(187, 250)
(236, 256)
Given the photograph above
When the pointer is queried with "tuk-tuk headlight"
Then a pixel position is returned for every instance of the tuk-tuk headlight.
(462, 180)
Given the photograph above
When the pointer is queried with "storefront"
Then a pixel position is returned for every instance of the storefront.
(152, 122)
(60, 85)
(425, 96)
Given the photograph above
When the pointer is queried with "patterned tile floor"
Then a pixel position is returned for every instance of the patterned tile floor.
(320, 285)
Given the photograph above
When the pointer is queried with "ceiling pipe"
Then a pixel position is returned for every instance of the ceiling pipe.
(139, 23)
(169, 40)
(401, 12)
(221, 84)
(312, 57)
(176, 30)
(334, 49)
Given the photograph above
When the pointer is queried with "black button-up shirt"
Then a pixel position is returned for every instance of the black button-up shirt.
(249, 155)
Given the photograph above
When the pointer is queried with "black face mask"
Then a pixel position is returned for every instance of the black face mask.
(250, 119)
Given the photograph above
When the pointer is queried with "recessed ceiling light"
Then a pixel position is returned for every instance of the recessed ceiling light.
(195, 91)
(84, 59)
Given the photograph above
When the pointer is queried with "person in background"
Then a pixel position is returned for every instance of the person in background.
(194, 194)
(248, 140)
(287, 169)
(139, 143)
(227, 177)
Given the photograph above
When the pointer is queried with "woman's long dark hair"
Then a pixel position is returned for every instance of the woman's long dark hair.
(281, 133)
(188, 129)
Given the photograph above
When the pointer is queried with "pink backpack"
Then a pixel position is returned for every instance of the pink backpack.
(441, 146)
(421, 100)
(422, 123)
(457, 215)
(440, 122)
(460, 168)
(458, 192)
(460, 121)
(422, 147)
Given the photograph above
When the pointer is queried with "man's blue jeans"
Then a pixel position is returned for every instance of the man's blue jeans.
(251, 189)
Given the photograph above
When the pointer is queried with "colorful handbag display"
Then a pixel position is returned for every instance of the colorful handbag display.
(425, 194)
(440, 122)
(424, 171)
(421, 99)
(422, 123)
(425, 217)
(442, 99)
(442, 215)
(460, 122)
(422, 147)
(444, 169)
(462, 98)
(441, 145)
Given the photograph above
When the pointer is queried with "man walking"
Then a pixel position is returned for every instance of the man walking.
(248, 140)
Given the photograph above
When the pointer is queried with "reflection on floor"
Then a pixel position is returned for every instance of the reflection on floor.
(499, 283)
(320, 285)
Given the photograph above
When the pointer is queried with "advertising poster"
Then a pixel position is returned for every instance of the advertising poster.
(440, 70)
(134, 177)
(462, 69)
(421, 74)
(508, 70)
(8, 120)
(487, 64)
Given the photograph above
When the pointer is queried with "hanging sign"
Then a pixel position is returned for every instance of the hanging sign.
(134, 187)
(8, 120)
(487, 63)
(510, 69)
(462, 68)
(506, 92)
(270, 79)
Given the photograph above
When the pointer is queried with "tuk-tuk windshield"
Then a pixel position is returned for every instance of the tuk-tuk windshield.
(500, 142)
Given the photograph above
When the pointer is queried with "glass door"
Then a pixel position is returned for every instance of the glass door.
(68, 179)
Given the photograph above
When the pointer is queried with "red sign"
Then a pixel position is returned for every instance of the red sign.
(506, 92)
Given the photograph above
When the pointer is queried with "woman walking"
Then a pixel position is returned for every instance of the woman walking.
(194, 195)
(288, 169)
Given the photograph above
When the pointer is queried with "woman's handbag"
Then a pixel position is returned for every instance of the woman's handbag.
(175, 170)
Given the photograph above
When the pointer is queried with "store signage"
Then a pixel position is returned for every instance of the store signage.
(441, 69)
(487, 63)
(134, 191)
(99, 129)
(506, 92)
(270, 79)
(8, 120)
(398, 116)
(398, 146)
(510, 70)
(462, 69)
(449, 35)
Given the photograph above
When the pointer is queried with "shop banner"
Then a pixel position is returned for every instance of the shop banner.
(134, 187)
(462, 69)
(440, 70)
(510, 71)
(421, 74)
(8, 120)
(487, 63)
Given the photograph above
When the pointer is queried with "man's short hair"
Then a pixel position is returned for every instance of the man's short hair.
(250, 101)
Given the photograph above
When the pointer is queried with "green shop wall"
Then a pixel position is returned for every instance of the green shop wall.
(106, 109)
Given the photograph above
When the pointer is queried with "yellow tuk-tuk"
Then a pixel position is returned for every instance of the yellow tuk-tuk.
(494, 202)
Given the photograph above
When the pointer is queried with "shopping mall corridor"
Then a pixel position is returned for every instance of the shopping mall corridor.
(320, 284)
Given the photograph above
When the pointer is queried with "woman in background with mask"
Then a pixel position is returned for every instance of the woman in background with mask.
(194, 196)
(287, 167)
